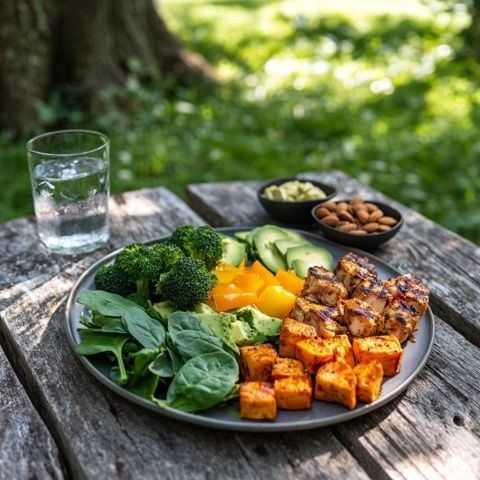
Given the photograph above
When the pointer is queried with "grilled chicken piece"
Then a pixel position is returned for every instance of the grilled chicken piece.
(373, 292)
(322, 286)
(400, 319)
(352, 270)
(324, 319)
(361, 319)
(411, 290)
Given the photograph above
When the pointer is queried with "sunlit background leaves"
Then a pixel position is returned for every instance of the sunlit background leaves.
(376, 89)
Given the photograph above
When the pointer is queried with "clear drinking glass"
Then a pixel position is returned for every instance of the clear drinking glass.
(69, 172)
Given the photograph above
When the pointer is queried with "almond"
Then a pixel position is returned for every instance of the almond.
(345, 216)
(331, 220)
(322, 212)
(384, 228)
(360, 207)
(359, 232)
(363, 216)
(374, 216)
(371, 207)
(371, 227)
(342, 207)
(348, 227)
(387, 221)
(357, 199)
(332, 206)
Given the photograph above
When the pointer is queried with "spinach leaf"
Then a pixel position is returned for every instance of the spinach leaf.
(114, 325)
(148, 332)
(180, 321)
(88, 331)
(167, 364)
(202, 382)
(105, 303)
(191, 343)
(105, 343)
(141, 360)
(146, 386)
(191, 336)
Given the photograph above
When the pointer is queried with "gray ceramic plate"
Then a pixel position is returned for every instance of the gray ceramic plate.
(321, 414)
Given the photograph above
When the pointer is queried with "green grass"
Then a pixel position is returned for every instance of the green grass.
(344, 85)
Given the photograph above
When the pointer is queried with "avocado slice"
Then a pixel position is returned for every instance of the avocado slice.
(233, 251)
(242, 236)
(285, 243)
(264, 239)
(306, 256)
(295, 235)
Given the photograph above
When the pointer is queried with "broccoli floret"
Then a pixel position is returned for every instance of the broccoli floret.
(112, 279)
(201, 243)
(130, 259)
(166, 254)
(139, 299)
(187, 283)
(145, 264)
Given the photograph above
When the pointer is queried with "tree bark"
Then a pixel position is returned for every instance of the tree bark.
(85, 45)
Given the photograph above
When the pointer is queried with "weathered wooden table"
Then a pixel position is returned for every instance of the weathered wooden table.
(57, 421)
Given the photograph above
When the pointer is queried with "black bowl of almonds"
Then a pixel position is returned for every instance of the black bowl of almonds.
(291, 199)
(357, 222)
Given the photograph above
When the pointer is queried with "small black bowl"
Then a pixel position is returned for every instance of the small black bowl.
(298, 213)
(368, 241)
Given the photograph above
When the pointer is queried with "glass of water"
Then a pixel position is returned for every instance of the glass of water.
(69, 172)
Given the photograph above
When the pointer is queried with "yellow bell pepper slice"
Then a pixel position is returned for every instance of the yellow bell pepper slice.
(225, 289)
(290, 281)
(276, 301)
(228, 301)
(249, 282)
(265, 274)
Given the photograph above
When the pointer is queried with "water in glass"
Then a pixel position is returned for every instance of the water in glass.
(71, 203)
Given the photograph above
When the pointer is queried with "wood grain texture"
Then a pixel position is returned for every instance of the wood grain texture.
(430, 431)
(27, 450)
(449, 264)
(100, 434)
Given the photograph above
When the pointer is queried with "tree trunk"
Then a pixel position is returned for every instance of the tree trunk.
(46, 44)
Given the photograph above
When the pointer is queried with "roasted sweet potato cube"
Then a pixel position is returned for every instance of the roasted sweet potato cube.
(257, 401)
(256, 362)
(369, 380)
(384, 348)
(291, 333)
(336, 382)
(294, 393)
(314, 352)
(343, 349)
(286, 368)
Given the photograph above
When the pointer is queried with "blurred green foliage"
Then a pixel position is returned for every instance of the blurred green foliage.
(380, 95)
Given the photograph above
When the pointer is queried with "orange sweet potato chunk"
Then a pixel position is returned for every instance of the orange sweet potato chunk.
(343, 349)
(384, 348)
(256, 362)
(294, 393)
(286, 368)
(313, 352)
(369, 380)
(336, 382)
(257, 401)
(291, 333)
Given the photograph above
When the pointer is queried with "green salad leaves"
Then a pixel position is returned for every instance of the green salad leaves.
(200, 369)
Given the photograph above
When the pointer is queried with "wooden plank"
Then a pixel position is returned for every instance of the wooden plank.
(449, 264)
(27, 450)
(436, 419)
(102, 435)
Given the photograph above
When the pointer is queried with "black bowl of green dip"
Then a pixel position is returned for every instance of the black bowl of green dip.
(289, 210)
